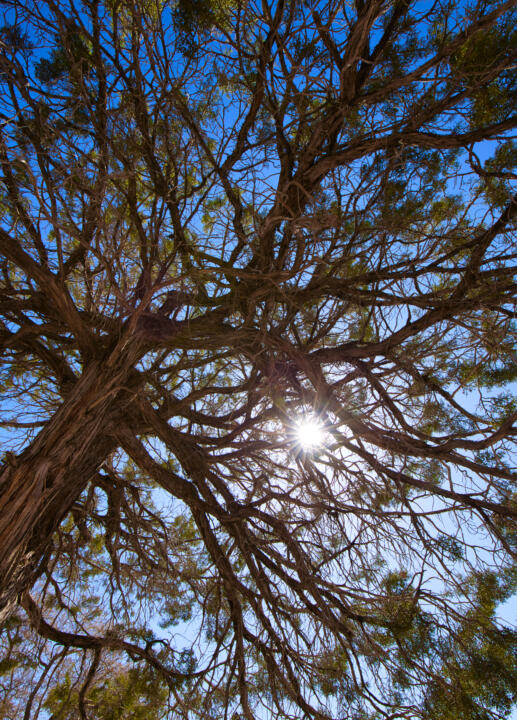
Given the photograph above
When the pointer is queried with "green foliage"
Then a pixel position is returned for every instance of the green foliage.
(71, 58)
(14, 39)
(480, 669)
(133, 694)
(196, 19)
(473, 63)
(8, 664)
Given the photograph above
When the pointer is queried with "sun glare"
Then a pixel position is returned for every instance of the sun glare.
(309, 432)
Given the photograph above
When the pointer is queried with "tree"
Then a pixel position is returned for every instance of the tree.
(219, 220)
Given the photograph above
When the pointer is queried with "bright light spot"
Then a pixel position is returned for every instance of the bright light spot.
(309, 432)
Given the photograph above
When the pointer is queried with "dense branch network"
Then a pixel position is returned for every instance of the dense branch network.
(219, 218)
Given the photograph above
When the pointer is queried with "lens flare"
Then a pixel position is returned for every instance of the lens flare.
(309, 432)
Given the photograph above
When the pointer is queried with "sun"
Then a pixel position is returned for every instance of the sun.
(309, 432)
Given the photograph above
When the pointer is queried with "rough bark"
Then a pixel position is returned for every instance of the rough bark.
(38, 488)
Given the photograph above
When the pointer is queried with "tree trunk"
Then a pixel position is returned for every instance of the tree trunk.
(38, 488)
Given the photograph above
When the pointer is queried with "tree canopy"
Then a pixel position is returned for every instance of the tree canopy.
(223, 223)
